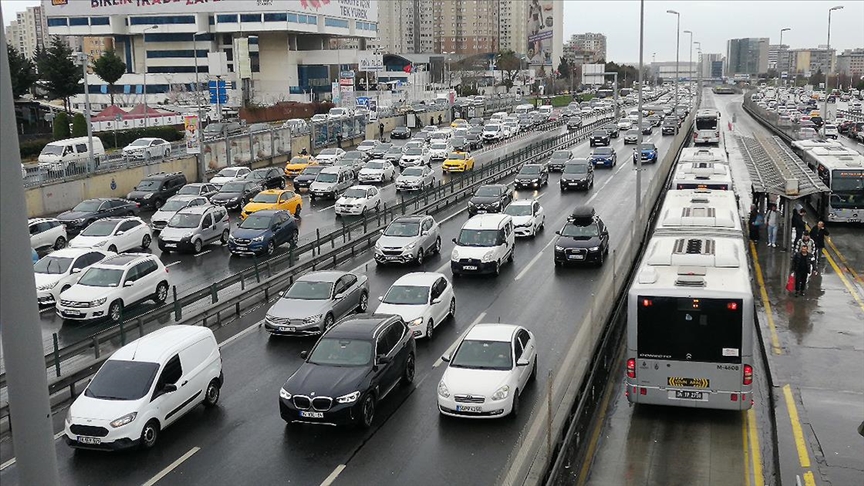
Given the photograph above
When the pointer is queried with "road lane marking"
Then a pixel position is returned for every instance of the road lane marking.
(746, 447)
(769, 314)
(452, 347)
(328, 207)
(755, 451)
(843, 279)
(249, 330)
(333, 475)
(843, 260)
(203, 253)
(534, 260)
(595, 436)
(171, 264)
(155, 479)
(797, 432)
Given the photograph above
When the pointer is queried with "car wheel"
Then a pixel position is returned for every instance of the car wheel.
(512, 255)
(112, 248)
(295, 239)
(437, 248)
(145, 242)
(514, 412)
(270, 248)
(149, 434)
(328, 322)
(497, 270)
(211, 395)
(408, 375)
(363, 306)
(452, 311)
(157, 204)
(367, 411)
(534, 369)
(115, 311)
(224, 238)
(60, 243)
(420, 256)
(600, 259)
(430, 329)
(197, 246)
(161, 294)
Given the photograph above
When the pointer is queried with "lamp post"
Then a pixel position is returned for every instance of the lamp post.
(690, 65)
(699, 67)
(147, 113)
(637, 218)
(202, 176)
(81, 58)
(779, 50)
(677, 44)
(828, 69)
(447, 70)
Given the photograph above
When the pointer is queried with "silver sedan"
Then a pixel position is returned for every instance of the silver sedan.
(316, 301)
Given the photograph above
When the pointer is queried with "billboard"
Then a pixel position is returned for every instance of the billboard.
(193, 143)
(592, 74)
(370, 62)
(542, 25)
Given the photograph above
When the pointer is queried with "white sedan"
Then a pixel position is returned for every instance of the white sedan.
(330, 156)
(415, 179)
(357, 200)
(528, 217)
(60, 269)
(147, 148)
(423, 299)
(377, 170)
(229, 174)
(114, 234)
(488, 371)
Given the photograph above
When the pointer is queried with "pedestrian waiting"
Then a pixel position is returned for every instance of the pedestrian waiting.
(818, 235)
(798, 224)
(772, 221)
(801, 269)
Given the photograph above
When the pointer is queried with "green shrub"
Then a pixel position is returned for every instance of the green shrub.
(79, 125)
(61, 126)
(32, 148)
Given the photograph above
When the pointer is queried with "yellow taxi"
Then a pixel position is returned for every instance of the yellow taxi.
(458, 162)
(297, 163)
(273, 199)
(459, 123)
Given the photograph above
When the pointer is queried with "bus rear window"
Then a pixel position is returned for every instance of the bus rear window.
(706, 124)
(684, 329)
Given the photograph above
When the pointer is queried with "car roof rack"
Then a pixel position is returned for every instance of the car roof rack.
(581, 212)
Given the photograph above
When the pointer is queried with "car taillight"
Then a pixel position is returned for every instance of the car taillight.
(631, 368)
(748, 374)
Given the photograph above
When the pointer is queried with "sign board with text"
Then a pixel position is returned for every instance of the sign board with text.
(370, 62)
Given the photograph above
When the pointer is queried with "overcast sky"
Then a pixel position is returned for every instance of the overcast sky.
(713, 23)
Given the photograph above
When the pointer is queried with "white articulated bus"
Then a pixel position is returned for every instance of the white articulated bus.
(703, 154)
(699, 211)
(702, 175)
(842, 170)
(706, 126)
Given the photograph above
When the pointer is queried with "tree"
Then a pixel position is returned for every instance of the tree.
(110, 68)
(509, 64)
(59, 72)
(79, 125)
(61, 126)
(21, 71)
(563, 68)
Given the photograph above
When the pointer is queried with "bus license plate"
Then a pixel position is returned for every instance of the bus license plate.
(312, 414)
(89, 440)
(688, 395)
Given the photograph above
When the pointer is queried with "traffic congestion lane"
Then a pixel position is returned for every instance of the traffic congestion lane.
(256, 379)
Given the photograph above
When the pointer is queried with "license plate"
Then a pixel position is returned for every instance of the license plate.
(576, 257)
(89, 440)
(468, 408)
(688, 395)
(241, 247)
(170, 245)
(286, 328)
(481, 211)
(72, 313)
(469, 267)
(572, 183)
(312, 414)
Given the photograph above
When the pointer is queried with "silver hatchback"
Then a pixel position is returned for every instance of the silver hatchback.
(408, 239)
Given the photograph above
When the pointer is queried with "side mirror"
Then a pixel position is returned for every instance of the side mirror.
(558, 232)
(382, 232)
(522, 362)
(380, 298)
(119, 233)
(169, 387)
(424, 233)
(436, 300)
(76, 270)
(338, 296)
(304, 354)
(128, 283)
(454, 240)
(384, 359)
(445, 358)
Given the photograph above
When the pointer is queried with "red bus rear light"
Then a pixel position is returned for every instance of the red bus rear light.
(732, 306)
(647, 303)
(631, 368)
(748, 374)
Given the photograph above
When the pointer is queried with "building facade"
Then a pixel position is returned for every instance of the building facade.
(810, 61)
(712, 65)
(666, 71)
(747, 56)
(778, 57)
(851, 63)
(513, 28)
(466, 27)
(588, 48)
(405, 26)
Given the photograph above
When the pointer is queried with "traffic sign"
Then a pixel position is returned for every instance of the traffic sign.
(218, 87)
(347, 74)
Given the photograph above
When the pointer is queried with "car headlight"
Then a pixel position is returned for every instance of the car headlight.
(78, 221)
(231, 238)
(501, 393)
(98, 302)
(594, 248)
(471, 204)
(48, 286)
(313, 319)
(120, 422)
(454, 255)
(416, 322)
(488, 256)
(410, 246)
(68, 418)
(443, 390)
(148, 195)
(101, 243)
(495, 204)
(378, 245)
(283, 393)
(535, 180)
(559, 248)
(349, 398)
(258, 239)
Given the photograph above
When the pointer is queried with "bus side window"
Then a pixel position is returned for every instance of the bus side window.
(825, 175)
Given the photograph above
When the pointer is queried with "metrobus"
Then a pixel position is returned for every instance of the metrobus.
(706, 126)
(702, 175)
(690, 324)
(703, 154)
(842, 170)
(694, 211)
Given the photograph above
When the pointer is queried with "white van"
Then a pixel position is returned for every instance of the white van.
(144, 387)
(546, 111)
(485, 242)
(523, 109)
(70, 153)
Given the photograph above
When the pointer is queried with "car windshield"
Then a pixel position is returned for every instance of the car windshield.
(328, 151)
(257, 174)
(563, 155)
(633, 133)
(189, 190)
(519, 210)
(576, 169)
(400, 228)
(483, 355)
(456, 156)
(299, 160)
(368, 144)
(530, 170)
(148, 186)
(407, 295)
(341, 352)
(458, 141)
(182, 220)
(438, 146)
(327, 177)
(413, 172)
(99, 228)
(375, 165)
(122, 380)
(101, 277)
(233, 187)
(488, 191)
(603, 151)
(228, 172)
(87, 206)
(265, 198)
(52, 150)
(314, 170)
(414, 151)
(309, 290)
(491, 128)
(214, 128)
(354, 192)
(469, 237)
(256, 222)
(646, 146)
(52, 265)
(394, 150)
(383, 147)
(580, 231)
(140, 143)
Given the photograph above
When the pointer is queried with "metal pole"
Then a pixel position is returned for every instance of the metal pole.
(202, 169)
(91, 164)
(26, 378)
(636, 218)
(615, 87)
(828, 68)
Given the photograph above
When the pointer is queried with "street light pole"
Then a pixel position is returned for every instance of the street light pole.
(699, 69)
(779, 50)
(677, 50)
(637, 218)
(202, 170)
(828, 69)
(91, 163)
(690, 65)
(147, 113)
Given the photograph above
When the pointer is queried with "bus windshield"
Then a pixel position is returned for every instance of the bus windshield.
(847, 189)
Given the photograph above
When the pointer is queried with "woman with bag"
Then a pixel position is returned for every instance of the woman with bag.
(801, 268)
(755, 222)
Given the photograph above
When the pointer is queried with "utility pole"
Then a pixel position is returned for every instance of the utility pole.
(677, 50)
(81, 58)
(202, 169)
(828, 67)
(637, 218)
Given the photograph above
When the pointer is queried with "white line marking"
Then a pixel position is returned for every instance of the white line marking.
(362, 265)
(7, 464)
(249, 330)
(46, 309)
(171, 264)
(203, 253)
(333, 475)
(59, 434)
(328, 207)
(458, 338)
(534, 260)
(155, 479)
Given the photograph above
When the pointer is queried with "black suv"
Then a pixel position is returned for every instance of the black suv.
(600, 137)
(268, 178)
(669, 126)
(577, 174)
(491, 198)
(89, 210)
(401, 132)
(612, 130)
(475, 141)
(583, 239)
(532, 175)
(352, 367)
(155, 189)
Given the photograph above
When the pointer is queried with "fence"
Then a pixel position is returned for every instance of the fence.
(246, 148)
(327, 132)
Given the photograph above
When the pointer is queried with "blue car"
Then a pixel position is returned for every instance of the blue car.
(648, 152)
(604, 156)
(262, 231)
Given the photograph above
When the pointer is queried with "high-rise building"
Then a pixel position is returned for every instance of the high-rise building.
(588, 48)
(712, 65)
(15, 35)
(666, 70)
(466, 27)
(811, 61)
(851, 62)
(778, 57)
(95, 46)
(28, 32)
(513, 28)
(405, 26)
(747, 56)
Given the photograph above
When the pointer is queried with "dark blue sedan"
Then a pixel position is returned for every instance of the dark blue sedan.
(604, 156)
(262, 231)
(648, 152)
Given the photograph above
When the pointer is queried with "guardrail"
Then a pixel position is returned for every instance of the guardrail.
(266, 276)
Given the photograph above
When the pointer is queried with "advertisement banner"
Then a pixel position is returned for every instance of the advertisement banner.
(370, 62)
(193, 144)
(336, 93)
(541, 28)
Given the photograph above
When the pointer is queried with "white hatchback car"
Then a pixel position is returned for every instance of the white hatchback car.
(357, 200)
(113, 284)
(488, 371)
(147, 148)
(377, 170)
(59, 270)
(423, 299)
(160, 218)
(114, 234)
(229, 174)
(47, 233)
(528, 217)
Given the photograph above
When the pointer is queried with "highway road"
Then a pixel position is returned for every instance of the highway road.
(244, 441)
